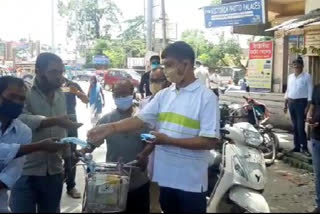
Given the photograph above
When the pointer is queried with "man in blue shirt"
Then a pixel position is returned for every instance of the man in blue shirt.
(15, 136)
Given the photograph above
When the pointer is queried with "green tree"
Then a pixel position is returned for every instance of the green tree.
(88, 20)
(130, 43)
(225, 53)
(216, 2)
(197, 40)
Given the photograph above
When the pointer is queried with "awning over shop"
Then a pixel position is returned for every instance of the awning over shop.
(309, 19)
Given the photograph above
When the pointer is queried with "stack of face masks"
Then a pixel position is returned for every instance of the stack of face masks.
(75, 141)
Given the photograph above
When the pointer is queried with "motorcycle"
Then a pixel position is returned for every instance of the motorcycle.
(237, 175)
(252, 113)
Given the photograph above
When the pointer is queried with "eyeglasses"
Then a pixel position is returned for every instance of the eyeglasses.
(158, 80)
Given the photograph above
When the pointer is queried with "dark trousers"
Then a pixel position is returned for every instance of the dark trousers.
(37, 194)
(297, 112)
(70, 169)
(70, 163)
(177, 201)
(139, 200)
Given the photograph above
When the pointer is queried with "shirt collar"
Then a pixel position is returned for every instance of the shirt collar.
(35, 86)
(191, 87)
(12, 127)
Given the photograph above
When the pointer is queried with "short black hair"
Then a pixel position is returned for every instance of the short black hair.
(43, 60)
(154, 57)
(180, 51)
(298, 61)
(6, 81)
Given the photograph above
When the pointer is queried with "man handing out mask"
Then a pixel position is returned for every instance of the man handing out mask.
(186, 116)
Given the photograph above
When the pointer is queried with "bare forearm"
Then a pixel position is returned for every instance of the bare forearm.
(147, 150)
(286, 103)
(198, 143)
(130, 124)
(27, 149)
(49, 122)
(83, 97)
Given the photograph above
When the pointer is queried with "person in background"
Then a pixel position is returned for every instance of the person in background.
(126, 146)
(144, 88)
(214, 82)
(297, 99)
(15, 136)
(187, 120)
(40, 187)
(202, 74)
(313, 119)
(158, 81)
(72, 90)
(96, 99)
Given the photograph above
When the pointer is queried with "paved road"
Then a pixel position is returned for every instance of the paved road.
(288, 189)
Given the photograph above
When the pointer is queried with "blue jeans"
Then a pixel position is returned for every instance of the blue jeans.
(316, 167)
(37, 194)
(297, 114)
(178, 201)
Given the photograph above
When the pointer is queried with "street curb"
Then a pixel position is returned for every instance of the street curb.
(298, 160)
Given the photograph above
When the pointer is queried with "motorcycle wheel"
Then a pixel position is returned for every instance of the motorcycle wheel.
(270, 147)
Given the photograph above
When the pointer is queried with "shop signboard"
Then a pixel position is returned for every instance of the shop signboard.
(260, 66)
(100, 60)
(250, 12)
(312, 42)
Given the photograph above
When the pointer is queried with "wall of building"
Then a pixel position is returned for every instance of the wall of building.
(273, 101)
(312, 5)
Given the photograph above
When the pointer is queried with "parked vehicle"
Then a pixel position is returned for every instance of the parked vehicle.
(112, 76)
(234, 113)
(237, 175)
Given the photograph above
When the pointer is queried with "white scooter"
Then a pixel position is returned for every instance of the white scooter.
(242, 176)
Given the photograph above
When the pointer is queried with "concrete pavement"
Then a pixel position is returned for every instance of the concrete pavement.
(282, 194)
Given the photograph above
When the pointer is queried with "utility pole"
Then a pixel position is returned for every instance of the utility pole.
(164, 24)
(52, 26)
(149, 24)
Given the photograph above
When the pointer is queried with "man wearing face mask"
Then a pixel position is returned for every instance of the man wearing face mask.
(158, 81)
(40, 187)
(186, 117)
(144, 88)
(15, 136)
(118, 147)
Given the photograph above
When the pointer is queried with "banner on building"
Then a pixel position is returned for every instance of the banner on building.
(260, 66)
(250, 12)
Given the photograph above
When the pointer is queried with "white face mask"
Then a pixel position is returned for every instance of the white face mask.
(172, 75)
(124, 103)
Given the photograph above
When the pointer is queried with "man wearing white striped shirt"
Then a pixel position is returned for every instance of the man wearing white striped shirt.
(298, 97)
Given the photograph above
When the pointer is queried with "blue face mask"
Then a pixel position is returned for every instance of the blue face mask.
(124, 103)
(155, 65)
(10, 109)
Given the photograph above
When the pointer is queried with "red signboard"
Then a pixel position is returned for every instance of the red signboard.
(261, 50)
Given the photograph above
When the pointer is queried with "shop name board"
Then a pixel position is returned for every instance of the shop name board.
(240, 13)
(100, 60)
(312, 40)
(260, 66)
(261, 50)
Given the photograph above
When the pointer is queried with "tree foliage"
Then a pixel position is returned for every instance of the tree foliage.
(225, 53)
(88, 20)
(130, 43)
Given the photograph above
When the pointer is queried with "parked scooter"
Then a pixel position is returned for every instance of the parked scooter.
(256, 114)
(239, 185)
